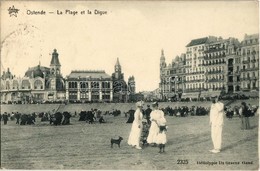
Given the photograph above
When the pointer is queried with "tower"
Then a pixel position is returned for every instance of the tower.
(131, 84)
(118, 71)
(162, 60)
(55, 64)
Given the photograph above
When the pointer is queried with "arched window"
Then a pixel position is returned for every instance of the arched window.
(52, 71)
(38, 85)
(26, 84)
(2, 85)
(58, 71)
(15, 84)
(105, 85)
(94, 84)
(83, 85)
(7, 85)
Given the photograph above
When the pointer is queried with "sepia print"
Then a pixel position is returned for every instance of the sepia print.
(129, 85)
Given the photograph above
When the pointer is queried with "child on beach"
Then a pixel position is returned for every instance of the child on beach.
(161, 137)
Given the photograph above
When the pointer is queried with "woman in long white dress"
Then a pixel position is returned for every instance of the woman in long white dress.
(155, 115)
(137, 126)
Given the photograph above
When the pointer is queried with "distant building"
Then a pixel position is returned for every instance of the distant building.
(216, 63)
(89, 86)
(250, 63)
(172, 77)
(119, 85)
(154, 95)
(131, 85)
(42, 84)
(38, 84)
(212, 66)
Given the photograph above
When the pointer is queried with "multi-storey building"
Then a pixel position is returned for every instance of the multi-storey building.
(39, 84)
(119, 85)
(217, 65)
(47, 84)
(172, 77)
(195, 71)
(86, 86)
(232, 66)
(213, 66)
(131, 85)
(97, 86)
(250, 63)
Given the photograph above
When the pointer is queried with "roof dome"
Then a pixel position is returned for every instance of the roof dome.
(38, 72)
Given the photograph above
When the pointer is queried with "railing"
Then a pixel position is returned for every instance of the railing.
(191, 81)
(249, 69)
(215, 80)
(245, 62)
(219, 63)
(214, 72)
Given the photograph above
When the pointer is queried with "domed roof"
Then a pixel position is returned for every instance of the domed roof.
(38, 72)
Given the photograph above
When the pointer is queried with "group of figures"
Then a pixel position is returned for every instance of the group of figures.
(56, 118)
(91, 116)
(21, 119)
(157, 127)
(149, 126)
(183, 111)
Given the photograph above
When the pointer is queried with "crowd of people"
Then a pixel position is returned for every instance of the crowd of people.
(148, 125)
(56, 118)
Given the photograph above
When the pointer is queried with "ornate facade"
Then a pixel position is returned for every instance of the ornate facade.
(172, 76)
(120, 88)
(38, 84)
(86, 86)
(212, 66)
(249, 63)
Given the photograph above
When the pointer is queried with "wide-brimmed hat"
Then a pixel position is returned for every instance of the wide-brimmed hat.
(139, 104)
(155, 104)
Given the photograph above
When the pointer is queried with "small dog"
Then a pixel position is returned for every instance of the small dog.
(116, 141)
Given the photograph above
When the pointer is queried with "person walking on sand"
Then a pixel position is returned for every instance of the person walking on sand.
(216, 122)
(137, 126)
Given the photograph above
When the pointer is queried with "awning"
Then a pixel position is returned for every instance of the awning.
(171, 95)
(210, 94)
(249, 94)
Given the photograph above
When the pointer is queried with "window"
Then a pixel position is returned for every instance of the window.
(105, 85)
(26, 84)
(38, 84)
(94, 84)
(73, 84)
(15, 84)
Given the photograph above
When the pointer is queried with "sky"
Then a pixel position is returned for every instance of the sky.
(133, 31)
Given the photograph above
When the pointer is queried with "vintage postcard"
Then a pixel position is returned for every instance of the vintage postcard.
(129, 85)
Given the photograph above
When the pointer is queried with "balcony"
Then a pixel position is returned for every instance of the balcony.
(249, 69)
(219, 63)
(214, 72)
(192, 81)
(245, 79)
(193, 90)
(245, 62)
(215, 80)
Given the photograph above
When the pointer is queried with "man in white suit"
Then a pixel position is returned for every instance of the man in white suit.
(216, 122)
